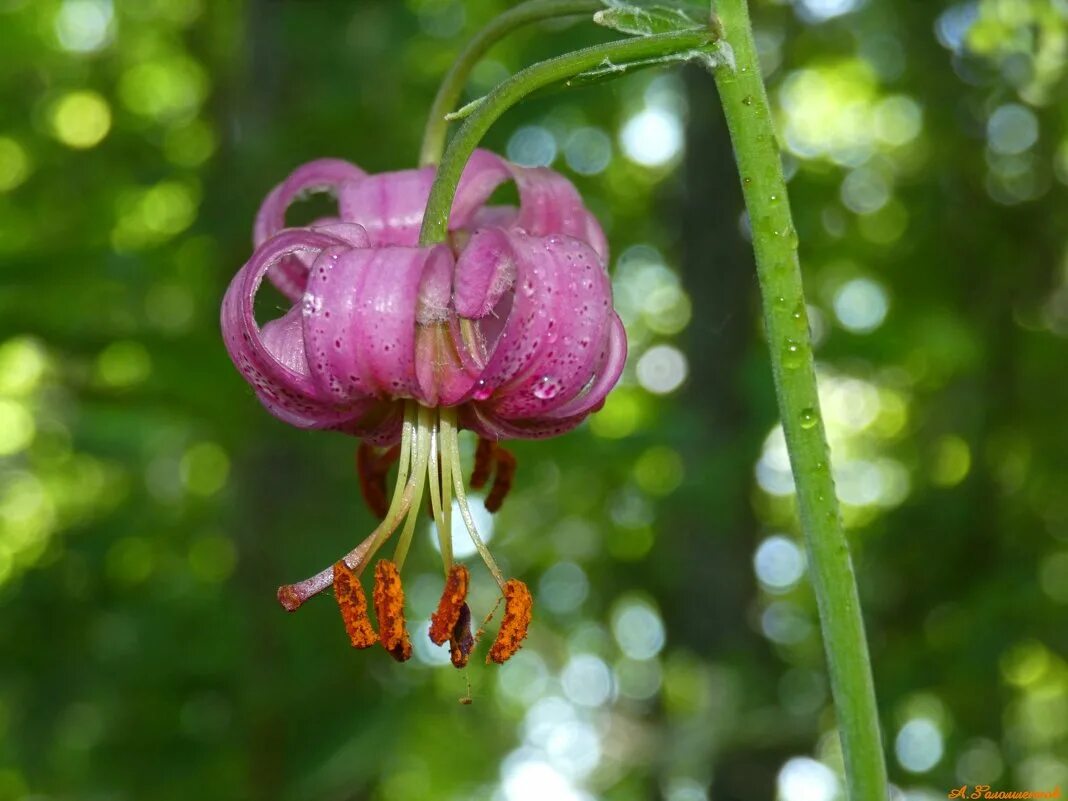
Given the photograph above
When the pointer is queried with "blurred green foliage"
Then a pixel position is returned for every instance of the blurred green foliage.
(149, 507)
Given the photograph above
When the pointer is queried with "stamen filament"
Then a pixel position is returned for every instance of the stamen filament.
(449, 443)
(445, 531)
(417, 480)
(402, 493)
(292, 596)
(472, 340)
(404, 465)
(436, 487)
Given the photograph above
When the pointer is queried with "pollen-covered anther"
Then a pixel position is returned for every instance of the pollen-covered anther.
(518, 609)
(484, 454)
(389, 608)
(502, 479)
(353, 605)
(492, 459)
(372, 467)
(444, 619)
(462, 641)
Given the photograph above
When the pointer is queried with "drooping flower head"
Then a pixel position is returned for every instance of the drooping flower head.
(507, 330)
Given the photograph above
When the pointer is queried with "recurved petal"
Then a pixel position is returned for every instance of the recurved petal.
(490, 426)
(577, 299)
(550, 204)
(556, 321)
(609, 368)
(361, 310)
(284, 340)
(482, 174)
(487, 422)
(322, 175)
(485, 270)
(389, 205)
(270, 359)
(381, 425)
(290, 274)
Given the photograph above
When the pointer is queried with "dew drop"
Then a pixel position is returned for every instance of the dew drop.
(747, 100)
(482, 390)
(789, 233)
(792, 354)
(808, 418)
(546, 388)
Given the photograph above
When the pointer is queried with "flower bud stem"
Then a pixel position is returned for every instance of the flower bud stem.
(507, 94)
(749, 120)
(452, 86)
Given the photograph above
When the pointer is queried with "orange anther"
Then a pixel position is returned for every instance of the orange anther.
(518, 609)
(389, 608)
(443, 621)
(353, 605)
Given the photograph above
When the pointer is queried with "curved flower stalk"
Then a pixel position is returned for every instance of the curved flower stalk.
(507, 330)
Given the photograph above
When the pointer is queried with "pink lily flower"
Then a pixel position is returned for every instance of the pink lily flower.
(507, 330)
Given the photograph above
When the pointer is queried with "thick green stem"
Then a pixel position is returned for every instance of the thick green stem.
(452, 86)
(775, 242)
(508, 93)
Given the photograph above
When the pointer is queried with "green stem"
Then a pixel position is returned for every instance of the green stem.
(745, 105)
(452, 86)
(508, 93)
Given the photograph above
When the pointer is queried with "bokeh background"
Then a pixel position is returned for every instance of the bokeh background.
(149, 507)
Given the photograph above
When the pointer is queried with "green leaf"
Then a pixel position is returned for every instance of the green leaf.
(646, 19)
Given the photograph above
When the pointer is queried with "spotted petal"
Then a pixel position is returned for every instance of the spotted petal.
(361, 311)
(490, 424)
(271, 359)
(555, 299)
(391, 205)
(548, 202)
(322, 175)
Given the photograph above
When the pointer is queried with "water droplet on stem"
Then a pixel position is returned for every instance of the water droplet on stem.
(792, 354)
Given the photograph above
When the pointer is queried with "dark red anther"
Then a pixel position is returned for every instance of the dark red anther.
(492, 459)
(502, 479)
(483, 463)
(372, 468)
(462, 641)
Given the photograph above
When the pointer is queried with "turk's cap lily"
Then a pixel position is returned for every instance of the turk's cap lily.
(506, 329)
(511, 321)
